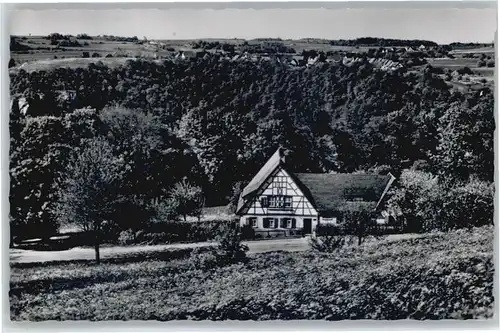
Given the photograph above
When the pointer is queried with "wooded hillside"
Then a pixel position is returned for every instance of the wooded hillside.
(214, 122)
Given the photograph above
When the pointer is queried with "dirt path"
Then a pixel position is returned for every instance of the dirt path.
(84, 253)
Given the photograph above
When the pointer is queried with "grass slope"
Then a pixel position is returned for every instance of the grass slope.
(434, 277)
(47, 65)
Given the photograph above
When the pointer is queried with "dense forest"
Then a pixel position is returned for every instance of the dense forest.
(213, 122)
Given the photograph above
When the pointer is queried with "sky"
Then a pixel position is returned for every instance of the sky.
(442, 25)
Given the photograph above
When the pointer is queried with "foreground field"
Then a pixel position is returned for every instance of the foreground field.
(433, 277)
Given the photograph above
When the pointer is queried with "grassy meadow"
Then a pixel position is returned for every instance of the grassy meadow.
(437, 276)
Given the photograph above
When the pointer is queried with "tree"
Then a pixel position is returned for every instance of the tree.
(155, 158)
(188, 199)
(12, 63)
(235, 196)
(419, 199)
(357, 221)
(469, 205)
(90, 189)
(35, 159)
(466, 137)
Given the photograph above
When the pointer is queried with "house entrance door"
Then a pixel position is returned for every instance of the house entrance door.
(307, 226)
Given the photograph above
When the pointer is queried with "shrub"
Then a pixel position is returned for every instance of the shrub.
(465, 70)
(328, 230)
(164, 211)
(188, 199)
(204, 260)
(126, 237)
(247, 232)
(85, 55)
(154, 238)
(174, 231)
(230, 249)
(328, 243)
(202, 231)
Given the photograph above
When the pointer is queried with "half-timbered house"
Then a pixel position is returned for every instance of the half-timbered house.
(278, 199)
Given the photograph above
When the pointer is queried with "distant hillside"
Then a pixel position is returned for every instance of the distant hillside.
(373, 41)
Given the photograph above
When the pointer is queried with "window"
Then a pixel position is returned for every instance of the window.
(276, 223)
(280, 201)
(253, 222)
(267, 222)
(264, 202)
(279, 185)
(283, 223)
(289, 223)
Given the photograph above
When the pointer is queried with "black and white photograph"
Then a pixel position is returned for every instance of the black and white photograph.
(251, 162)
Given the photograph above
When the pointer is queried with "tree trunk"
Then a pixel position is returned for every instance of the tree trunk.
(359, 232)
(96, 247)
(11, 245)
(97, 254)
(184, 217)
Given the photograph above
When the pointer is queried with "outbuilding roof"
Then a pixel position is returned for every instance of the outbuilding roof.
(341, 191)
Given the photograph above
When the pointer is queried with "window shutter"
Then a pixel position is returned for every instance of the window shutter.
(294, 223)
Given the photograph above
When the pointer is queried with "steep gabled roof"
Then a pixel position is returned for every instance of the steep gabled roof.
(336, 192)
(261, 176)
(264, 173)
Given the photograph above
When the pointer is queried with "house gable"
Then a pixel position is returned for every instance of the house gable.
(280, 184)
